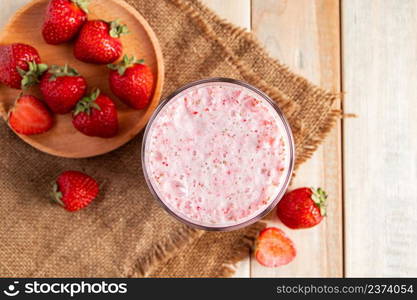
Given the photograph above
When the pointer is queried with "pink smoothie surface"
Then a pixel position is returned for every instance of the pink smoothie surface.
(217, 154)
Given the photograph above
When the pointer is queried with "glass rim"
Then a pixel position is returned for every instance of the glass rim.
(290, 171)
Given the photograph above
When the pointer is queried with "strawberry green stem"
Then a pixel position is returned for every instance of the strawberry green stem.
(319, 197)
(117, 29)
(82, 4)
(31, 76)
(126, 63)
(88, 103)
(64, 71)
(57, 195)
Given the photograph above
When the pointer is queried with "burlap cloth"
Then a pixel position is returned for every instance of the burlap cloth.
(125, 232)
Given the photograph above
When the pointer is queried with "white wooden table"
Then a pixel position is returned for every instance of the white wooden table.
(368, 165)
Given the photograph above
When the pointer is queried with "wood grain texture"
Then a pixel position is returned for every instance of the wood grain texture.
(237, 12)
(305, 35)
(380, 146)
(63, 139)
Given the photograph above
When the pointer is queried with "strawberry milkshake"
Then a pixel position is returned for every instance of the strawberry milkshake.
(218, 154)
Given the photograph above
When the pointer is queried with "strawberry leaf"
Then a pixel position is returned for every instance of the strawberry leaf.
(125, 64)
(57, 195)
(319, 197)
(86, 104)
(96, 106)
(82, 4)
(64, 71)
(31, 76)
(117, 29)
(21, 72)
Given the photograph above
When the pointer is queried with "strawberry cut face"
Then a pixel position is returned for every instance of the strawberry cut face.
(274, 248)
(30, 116)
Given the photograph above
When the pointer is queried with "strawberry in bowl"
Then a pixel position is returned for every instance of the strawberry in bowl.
(63, 20)
(62, 88)
(96, 115)
(29, 116)
(99, 42)
(54, 27)
(20, 66)
(132, 82)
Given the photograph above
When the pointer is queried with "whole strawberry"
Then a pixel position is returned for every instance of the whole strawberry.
(20, 66)
(99, 42)
(63, 20)
(30, 116)
(96, 115)
(62, 88)
(132, 81)
(74, 190)
(302, 208)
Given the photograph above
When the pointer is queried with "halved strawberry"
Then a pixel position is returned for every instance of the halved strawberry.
(30, 116)
(273, 248)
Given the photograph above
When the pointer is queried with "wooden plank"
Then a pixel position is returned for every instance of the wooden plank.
(305, 35)
(236, 11)
(239, 13)
(380, 146)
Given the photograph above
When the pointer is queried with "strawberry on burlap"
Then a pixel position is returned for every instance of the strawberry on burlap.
(125, 232)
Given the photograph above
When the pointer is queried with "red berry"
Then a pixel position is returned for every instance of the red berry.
(63, 20)
(96, 115)
(273, 248)
(74, 190)
(302, 208)
(99, 43)
(30, 116)
(62, 88)
(20, 65)
(132, 82)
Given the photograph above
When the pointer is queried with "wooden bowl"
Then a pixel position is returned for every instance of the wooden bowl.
(63, 139)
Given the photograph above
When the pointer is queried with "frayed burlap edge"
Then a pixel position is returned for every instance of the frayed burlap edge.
(164, 251)
(238, 248)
